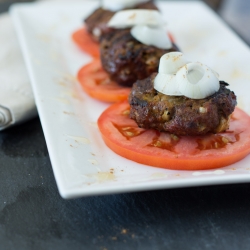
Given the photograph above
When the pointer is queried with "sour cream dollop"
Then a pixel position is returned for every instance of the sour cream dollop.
(147, 26)
(179, 77)
(115, 5)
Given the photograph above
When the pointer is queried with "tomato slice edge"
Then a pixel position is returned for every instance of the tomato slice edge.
(183, 163)
(85, 42)
(113, 93)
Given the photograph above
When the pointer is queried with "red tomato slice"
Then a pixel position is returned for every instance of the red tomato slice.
(164, 150)
(82, 38)
(95, 81)
(171, 37)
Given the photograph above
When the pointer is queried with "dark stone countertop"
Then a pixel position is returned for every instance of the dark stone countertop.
(34, 216)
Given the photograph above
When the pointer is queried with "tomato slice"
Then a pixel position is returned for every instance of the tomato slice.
(96, 83)
(82, 38)
(171, 37)
(164, 150)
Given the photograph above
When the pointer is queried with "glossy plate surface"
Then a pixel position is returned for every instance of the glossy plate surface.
(82, 163)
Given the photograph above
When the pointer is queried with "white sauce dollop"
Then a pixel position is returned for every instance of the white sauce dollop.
(178, 77)
(115, 5)
(148, 26)
(155, 36)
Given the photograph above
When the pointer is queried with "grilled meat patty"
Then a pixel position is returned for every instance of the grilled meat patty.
(126, 60)
(96, 23)
(180, 115)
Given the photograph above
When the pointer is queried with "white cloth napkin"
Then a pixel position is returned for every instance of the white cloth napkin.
(16, 99)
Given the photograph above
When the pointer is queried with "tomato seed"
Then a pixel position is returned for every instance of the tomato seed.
(157, 144)
(130, 134)
(174, 137)
(126, 128)
(126, 112)
(225, 140)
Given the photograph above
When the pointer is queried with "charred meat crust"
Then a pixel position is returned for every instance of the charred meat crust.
(178, 114)
(96, 23)
(126, 59)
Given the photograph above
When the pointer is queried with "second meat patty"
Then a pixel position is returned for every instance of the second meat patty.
(126, 59)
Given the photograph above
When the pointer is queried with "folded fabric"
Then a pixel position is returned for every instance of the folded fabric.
(16, 98)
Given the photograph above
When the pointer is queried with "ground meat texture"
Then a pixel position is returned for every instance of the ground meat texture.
(96, 23)
(126, 59)
(180, 115)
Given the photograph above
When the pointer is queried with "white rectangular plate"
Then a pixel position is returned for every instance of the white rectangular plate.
(82, 163)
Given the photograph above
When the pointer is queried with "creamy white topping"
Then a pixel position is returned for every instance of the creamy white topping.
(115, 5)
(129, 18)
(147, 26)
(179, 77)
(171, 62)
(156, 36)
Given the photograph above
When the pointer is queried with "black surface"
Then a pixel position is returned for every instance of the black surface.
(34, 216)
